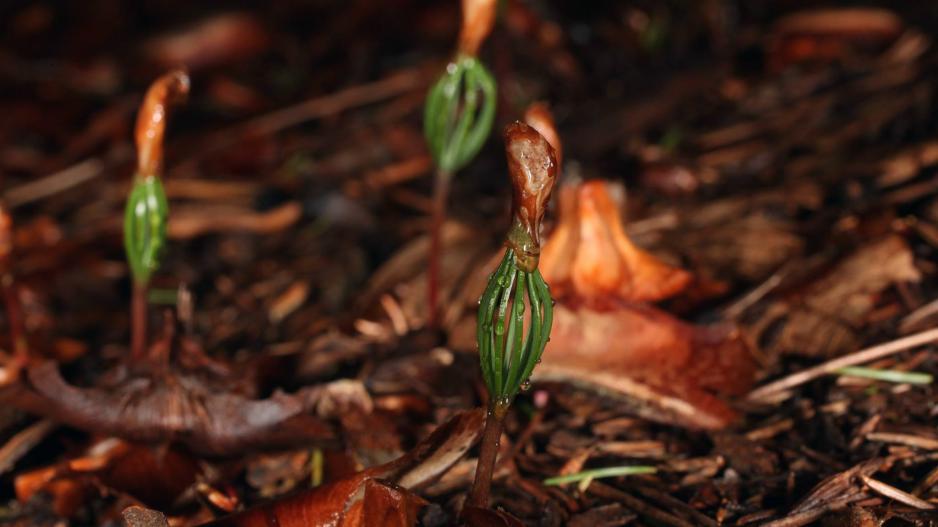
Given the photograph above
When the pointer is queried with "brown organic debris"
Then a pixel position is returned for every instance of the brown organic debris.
(821, 320)
(381, 495)
(177, 394)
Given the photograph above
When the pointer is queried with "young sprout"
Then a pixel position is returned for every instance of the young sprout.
(516, 300)
(146, 214)
(458, 116)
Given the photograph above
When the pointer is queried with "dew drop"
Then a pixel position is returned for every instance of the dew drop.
(526, 385)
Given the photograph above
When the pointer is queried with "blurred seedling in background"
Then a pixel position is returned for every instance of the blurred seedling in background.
(516, 297)
(458, 116)
(147, 212)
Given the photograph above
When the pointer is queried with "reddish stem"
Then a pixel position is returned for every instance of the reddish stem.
(138, 321)
(437, 218)
(488, 453)
(14, 319)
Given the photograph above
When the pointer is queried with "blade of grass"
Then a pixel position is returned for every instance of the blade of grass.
(902, 377)
(606, 472)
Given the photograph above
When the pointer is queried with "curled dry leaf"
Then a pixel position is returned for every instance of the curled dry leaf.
(191, 400)
(380, 495)
(172, 88)
(589, 257)
(478, 17)
(604, 339)
(666, 370)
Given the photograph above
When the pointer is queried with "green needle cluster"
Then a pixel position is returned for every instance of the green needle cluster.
(459, 112)
(508, 356)
(145, 219)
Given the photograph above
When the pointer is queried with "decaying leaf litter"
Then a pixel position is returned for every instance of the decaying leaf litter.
(766, 171)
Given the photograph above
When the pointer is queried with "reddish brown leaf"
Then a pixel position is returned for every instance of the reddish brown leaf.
(377, 496)
(669, 370)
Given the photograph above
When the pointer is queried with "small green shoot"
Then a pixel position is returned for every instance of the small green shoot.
(598, 473)
(457, 119)
(516, 300)
(900, 377)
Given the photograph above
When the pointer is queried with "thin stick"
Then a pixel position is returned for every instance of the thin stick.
(138, 321)
(893, 493)
(767, 391)
(331, 104)
(479, 495)
(54, 183)
(438, 216)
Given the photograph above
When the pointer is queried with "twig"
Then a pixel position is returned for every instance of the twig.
(808, 516)
(675, 505)
(317, 108)
(925, 443)
(767, 391)
(54, 183)
(893, 493)
(738, 307)
(21, 443)
(438, 216)
(639, 506)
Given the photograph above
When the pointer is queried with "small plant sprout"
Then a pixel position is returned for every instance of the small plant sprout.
(458, 116)
(516, 297)
(147, 211)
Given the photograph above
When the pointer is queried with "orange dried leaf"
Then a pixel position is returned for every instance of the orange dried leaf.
(589, 257)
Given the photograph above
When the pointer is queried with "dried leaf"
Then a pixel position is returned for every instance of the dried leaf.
(668, 370)
(377, 496)
(822, 318)
(589, 257)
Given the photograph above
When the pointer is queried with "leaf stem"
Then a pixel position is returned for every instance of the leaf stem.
(437, 218)
(488, 453)
(138, 321)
